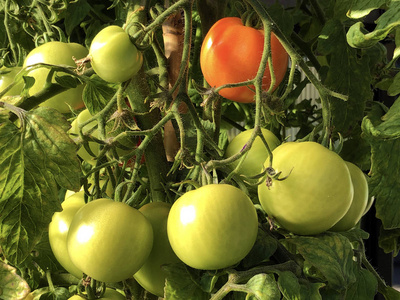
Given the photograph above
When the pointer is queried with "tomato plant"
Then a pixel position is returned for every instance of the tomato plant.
(212, 227)
(61, 54)
(258, 153)
(231, 53)
(108, 240)
(313, 190)
(113, 56)
(360, 200)
(151, 275)
(59, 228)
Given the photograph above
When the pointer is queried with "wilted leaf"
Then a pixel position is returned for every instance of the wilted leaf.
(331, 254)
(12, 286)
(357, 37)
(34, 160)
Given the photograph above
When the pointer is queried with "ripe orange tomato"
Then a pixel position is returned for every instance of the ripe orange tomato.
(231, 53)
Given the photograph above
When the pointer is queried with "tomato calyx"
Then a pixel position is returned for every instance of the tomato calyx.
(91, 289)
(272, 175)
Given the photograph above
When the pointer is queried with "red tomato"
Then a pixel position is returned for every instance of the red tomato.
(231, 53)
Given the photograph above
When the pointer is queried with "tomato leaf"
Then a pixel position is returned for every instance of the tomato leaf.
(359, 9)
(34, 161)
(183, 284)
(96, 94)
(383, 134)
(331, 254)
(389, 240)
(12, 286)
(259, 287)
(354, 79)
(76, 12)
(358, 37)
(365, 286)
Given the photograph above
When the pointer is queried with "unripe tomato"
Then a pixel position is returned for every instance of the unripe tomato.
(109, 241)
(56, 53)
(82, 117)
(7, 76)
(58, 231)
(316, 193)
(113, 56)
(258, 153)
(212, 227)
(231, 53)
(109, 294)
(151, 276)
(360, 200)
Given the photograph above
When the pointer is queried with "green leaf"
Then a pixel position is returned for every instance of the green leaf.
(294, 289)
(76, 12)
(357, 37)
(34, 161)
(59, 293)
(359, 9)
(96, 94)
(394, 88)
(67, 81)
(331, 254)
(383, 134)
(389, 241)
(12, 286)
(183, 284)
(259, 287)
(348, 74)
(365, 286)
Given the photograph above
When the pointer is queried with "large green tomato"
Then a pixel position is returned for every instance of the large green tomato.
(113, 56)
(212, 227)
(109, 294)
(257, 154)
(360, 200)
(151, 276)
(82, 117)
(7, 76)
(108, 240)
(316, 193)
(58, 231)
(56, 53)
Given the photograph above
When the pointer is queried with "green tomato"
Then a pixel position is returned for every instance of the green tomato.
(360, 200)
(58, 231)
(113, 56)
(258, 153)
(212, 227)
(82, 117)
(316, 193)
(56, 53)
(151, 276)
(7, 76)
(109, 294)
(109, 241)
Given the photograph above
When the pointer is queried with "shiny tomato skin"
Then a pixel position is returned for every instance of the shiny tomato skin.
(58, 232)
(212, 227)
(109, 240)
(109, 294)
(258, 153)
(359, 202)
(316, 193)
(56, 53)
(151, 276)
(7, 76)
(113, 56)
(231, 53)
